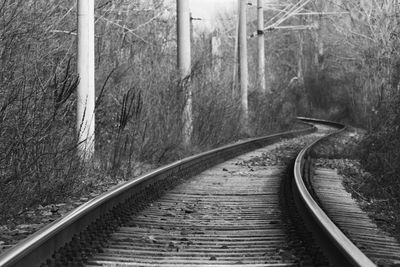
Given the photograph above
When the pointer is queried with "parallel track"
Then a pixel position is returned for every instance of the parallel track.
(230, 214)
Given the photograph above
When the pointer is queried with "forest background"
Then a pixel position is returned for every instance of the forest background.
(346, 68)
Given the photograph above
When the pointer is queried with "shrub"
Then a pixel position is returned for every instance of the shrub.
(380, 151)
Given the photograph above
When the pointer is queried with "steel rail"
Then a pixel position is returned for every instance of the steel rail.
(42, 245)
(337, 246)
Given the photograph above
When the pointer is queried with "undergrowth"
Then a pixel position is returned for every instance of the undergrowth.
(139, 102)
(380, 153)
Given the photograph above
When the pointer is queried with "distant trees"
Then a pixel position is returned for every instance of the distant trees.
(344, 67)
(351, 69)
(375, 30)
(355, 52)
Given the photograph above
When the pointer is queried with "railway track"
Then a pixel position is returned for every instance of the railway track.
(237, 205)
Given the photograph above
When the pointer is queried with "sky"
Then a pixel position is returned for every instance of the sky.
(208, 11)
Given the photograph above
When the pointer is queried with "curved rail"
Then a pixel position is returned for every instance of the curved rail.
(338, 247)
(41, 246)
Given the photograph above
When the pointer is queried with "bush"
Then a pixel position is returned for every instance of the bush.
(38, 162)
(139, 103)
(380, 151)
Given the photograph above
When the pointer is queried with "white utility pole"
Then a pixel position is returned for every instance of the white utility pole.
(261, 47)
(235, 59)
(243, 63)
(184, 65)
(86, 90)
(300, 59)
(216, 56)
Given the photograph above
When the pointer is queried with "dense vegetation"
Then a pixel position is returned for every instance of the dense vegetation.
(346, 69)
(365, 64)
(361, 75)
(139, 98)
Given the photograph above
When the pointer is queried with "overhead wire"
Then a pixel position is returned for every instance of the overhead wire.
(283, 15)
(124, 27)
(296, 8)
(277, 15)
(287, 12)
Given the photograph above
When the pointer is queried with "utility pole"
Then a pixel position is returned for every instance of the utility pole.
(243, 78)
(261, 47)
(184, 65)
(300, 59)
(236, 67)
(215, 56)
(86, 89)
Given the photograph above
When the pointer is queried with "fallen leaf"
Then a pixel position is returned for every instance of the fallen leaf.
(170, 214)
(172, 244)
(150, 239)
(54, 209)
(188, 211)
(184, 232)
(46, 213)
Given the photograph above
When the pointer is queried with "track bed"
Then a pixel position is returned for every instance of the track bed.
(228, 214)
